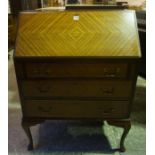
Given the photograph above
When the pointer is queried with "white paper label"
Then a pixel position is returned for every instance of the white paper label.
(76, 18)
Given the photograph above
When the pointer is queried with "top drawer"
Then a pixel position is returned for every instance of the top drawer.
(76, 69)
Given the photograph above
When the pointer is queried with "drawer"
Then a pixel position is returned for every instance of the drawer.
(76, 88)
(76, 109)
(76, 69)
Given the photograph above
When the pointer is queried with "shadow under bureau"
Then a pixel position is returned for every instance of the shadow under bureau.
(77, 65)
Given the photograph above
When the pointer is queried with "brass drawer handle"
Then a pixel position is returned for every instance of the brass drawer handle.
(108, 91)
(44, 89)
(41, 72)
(36, 71)
(41, 69)
(45, 110)
(106, 111)
(111, 73)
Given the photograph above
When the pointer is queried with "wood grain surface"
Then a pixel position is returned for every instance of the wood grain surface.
(96, 33)
(77, 89)
(76, 109)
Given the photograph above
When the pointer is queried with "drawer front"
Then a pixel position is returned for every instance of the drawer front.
(76, 88)
(76, 109)
(76, 69)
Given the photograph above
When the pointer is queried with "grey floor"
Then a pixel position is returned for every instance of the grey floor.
(75, 138)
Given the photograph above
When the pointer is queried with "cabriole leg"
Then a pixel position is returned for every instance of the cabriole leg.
(126, 125)
(26, 127)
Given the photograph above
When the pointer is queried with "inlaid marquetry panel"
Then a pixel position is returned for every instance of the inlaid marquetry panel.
(77, 33)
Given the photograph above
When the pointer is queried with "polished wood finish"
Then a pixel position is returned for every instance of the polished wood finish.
(11, 31)
(76, 109)
(84, 69)
(76, 69)
(76, 88)
(93, 33)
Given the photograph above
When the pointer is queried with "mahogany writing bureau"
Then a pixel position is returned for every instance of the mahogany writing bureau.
(77, 65)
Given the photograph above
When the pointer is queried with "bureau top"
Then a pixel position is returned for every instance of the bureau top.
(78, 33)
